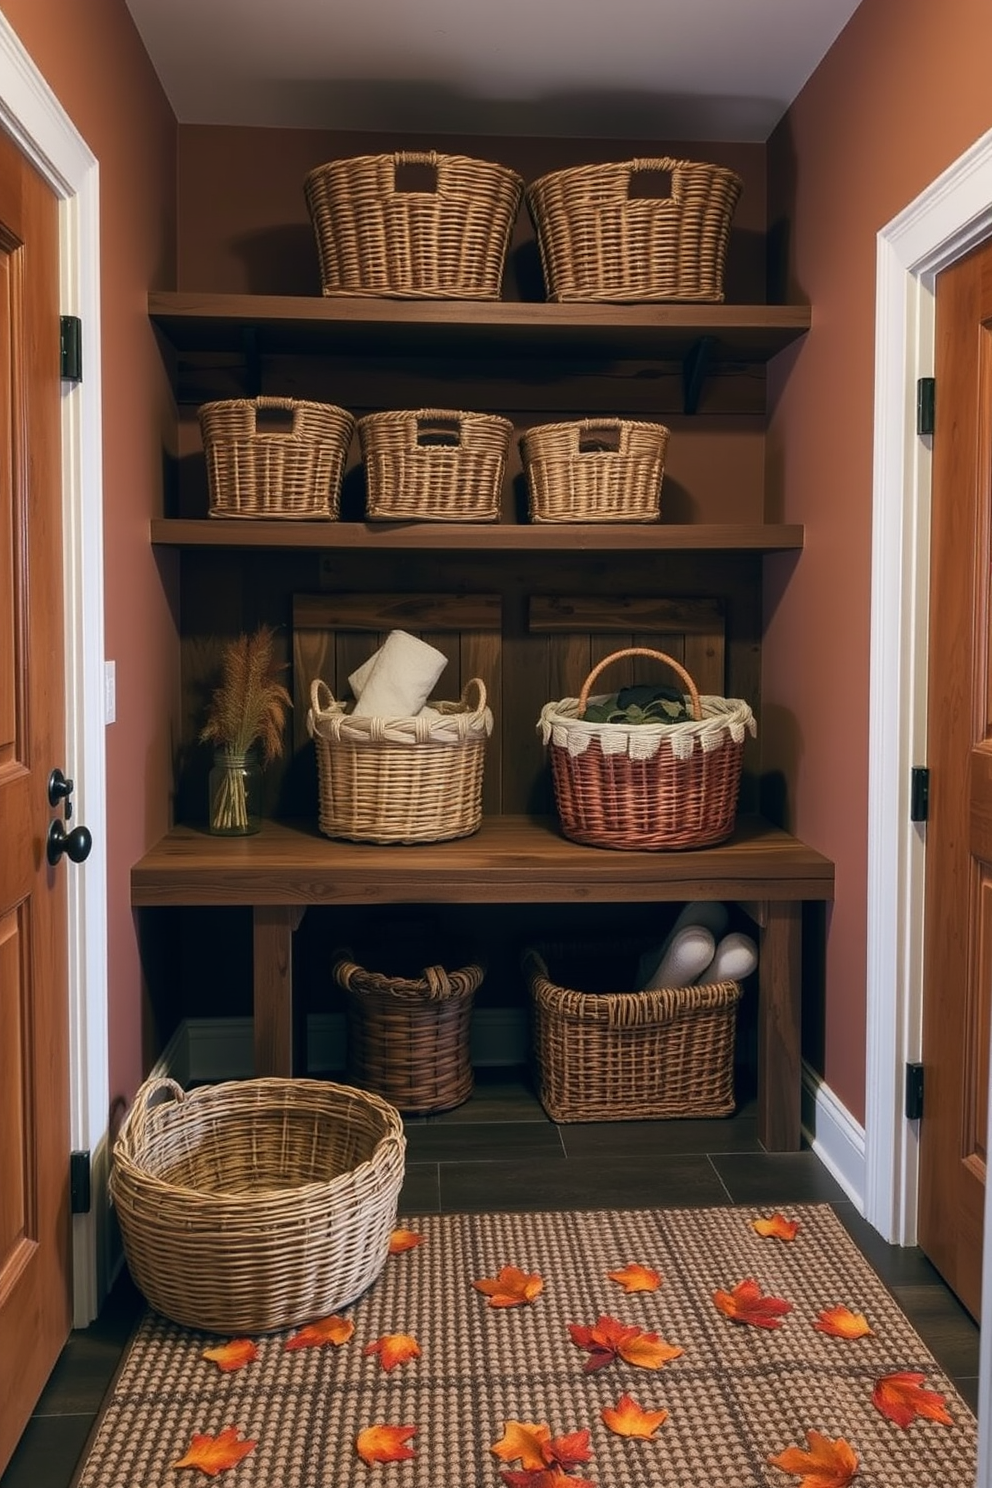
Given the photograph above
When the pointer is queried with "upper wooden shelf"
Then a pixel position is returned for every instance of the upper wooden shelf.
(284, 324)
(479, 537)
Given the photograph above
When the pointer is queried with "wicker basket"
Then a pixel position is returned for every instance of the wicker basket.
(408, 1036)
(256, 1205)
(595, 470)
(291, 472)
(434, 465)
(604, 1055)
(598, 242)
(400, 779)
(647, 786)
(447, 242)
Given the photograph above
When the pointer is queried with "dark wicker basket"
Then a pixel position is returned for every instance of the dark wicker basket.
(408, 1036)
(610, 1055)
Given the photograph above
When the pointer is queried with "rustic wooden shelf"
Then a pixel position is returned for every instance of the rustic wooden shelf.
(497, 537)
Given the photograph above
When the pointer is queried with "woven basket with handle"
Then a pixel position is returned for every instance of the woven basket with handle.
(400, 779)
(598, 241)
(447, 240)
(434, 465)
(255, 469)
(595, 470)
(604, 1054)
(256, 1205)
(408, 1036)
(647, 785)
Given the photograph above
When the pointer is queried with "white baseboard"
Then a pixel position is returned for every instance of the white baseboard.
(834, 1135)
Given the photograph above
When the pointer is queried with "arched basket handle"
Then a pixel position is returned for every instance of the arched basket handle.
(680, 670)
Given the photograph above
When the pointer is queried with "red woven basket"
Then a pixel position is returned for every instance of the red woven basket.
(647, 786)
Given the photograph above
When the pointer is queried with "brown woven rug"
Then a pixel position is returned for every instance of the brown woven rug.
(736, 1396)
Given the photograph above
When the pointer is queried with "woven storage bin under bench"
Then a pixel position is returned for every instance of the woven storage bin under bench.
(256, 1205)
(408, 1036)
(604, 1054)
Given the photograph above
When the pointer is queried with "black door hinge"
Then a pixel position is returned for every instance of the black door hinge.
(71, 347)
(914, 1091)
(79, 1182)
(924, 405)
(919, 793)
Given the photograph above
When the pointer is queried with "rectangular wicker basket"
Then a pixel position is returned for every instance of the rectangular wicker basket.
(400, 779)
(595, 470)
(294, 471)
(603, 1054)
(434, 465)
(599, 242)
(448, 242)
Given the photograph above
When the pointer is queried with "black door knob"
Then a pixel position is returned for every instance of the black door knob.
(75, 844)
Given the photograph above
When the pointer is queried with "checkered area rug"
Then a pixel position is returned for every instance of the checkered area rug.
(736, 1396)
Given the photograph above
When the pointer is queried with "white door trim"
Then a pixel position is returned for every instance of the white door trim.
(952, 216)
(31, 114)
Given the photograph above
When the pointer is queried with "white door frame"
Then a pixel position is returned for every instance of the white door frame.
(948, 219)
(31, 114)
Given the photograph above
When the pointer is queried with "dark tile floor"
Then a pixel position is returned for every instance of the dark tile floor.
(500, 1151)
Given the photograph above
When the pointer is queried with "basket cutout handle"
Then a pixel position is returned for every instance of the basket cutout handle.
(438, 429)
(676, 667)
(600, 438)
(651, 181)
(415, 171)
(275, 415)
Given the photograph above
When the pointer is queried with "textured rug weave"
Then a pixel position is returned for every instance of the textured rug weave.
(736, 1396)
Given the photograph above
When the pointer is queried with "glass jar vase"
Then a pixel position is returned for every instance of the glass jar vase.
(234, 794)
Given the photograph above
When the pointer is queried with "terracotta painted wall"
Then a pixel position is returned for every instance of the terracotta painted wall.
(94, 62)
(903, 92)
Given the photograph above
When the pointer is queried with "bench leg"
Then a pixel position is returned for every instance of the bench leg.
(272, 944)
(779, 1022)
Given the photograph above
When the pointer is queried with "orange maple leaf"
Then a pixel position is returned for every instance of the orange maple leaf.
(511, 1288)
(777, 1227)
(827, 1464)
(544, 1459)
(636, 1278)
(334, 1329)
(234, 1354)
(384, 1443)
(401, 1240)
(841, 1322)
(393, 1349)
(627, 1418)
(745, 1304)
(544, 1477)
(607, 1338)
(901, 1398)
(570, 1449)
(214, 1454)
(523, 1442)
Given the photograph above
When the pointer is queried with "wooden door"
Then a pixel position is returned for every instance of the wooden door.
(35, 1277)
(958, 914)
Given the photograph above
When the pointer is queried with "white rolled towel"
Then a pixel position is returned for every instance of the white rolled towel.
(689, 951)
(706, 914)
(735, 957)
(401, 679)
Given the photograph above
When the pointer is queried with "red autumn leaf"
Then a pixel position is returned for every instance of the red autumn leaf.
(511, 1288)
(393, 1349)
(841, 1322)
(608, 1338)
(627, 1418)
(745, 1304)
(401, 1240)
(524, 1442)
(827, 1464)
(234, 1354)
(636, 1278)
(214, 1454)
(545, 1477)
(777, 1227)
(901, 1398)
(384, 1443)
(336, 1330)
(570, 1449)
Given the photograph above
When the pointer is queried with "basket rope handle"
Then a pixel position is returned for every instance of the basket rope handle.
(691, 687)
(153, 1093)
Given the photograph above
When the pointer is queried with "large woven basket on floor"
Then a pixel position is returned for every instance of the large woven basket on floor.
(446, 240)
(256, 1205)
(603, 1054)
(598, 241)
(408, 1036)
(647, 785)
(595, 470)
(400, 779)
(434, 465)
(256, 469)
